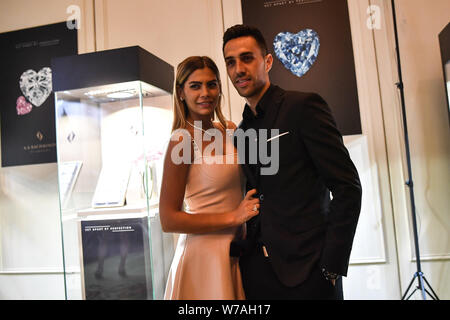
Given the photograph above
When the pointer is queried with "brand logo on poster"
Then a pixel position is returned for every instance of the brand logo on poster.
(71, 137)
(36, 148)
(39, 135)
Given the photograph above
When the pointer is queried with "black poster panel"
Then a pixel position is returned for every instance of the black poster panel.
(27, 103)
(116, 264)
(311, 43)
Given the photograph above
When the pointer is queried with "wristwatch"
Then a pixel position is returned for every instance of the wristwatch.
(330, 275)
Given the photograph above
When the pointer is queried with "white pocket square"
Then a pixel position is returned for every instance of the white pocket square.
(276, 137)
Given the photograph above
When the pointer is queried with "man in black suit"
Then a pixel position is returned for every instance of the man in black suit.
(298, 247)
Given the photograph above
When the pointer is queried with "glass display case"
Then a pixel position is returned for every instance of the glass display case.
(113, 121)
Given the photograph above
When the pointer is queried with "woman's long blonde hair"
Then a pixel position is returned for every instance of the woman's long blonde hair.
(184, 70)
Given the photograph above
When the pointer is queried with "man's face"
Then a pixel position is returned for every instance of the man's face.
(247, 68)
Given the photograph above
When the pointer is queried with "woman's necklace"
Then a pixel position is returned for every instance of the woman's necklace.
(193, 126)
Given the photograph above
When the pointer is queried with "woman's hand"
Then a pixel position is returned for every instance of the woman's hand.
(248, 208)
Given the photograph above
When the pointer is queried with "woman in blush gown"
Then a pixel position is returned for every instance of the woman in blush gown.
(209, 182)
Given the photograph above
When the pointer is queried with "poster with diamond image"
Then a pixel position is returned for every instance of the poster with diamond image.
(27, 104)
(310, 41)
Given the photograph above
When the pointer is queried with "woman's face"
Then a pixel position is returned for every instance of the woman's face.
(201, 92)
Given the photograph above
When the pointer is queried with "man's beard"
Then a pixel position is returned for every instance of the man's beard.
(250, 92)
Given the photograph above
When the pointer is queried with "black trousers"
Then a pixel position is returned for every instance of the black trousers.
(261, 283)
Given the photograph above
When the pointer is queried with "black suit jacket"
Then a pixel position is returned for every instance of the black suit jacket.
(298, 223)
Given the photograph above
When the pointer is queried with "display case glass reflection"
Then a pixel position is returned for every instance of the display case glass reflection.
(104, 128)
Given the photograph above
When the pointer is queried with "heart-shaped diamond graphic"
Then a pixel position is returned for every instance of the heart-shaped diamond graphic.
(297, 52)
(22, 106)
(36, 86)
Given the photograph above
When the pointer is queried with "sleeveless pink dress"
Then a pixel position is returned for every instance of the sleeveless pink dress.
(202, 267)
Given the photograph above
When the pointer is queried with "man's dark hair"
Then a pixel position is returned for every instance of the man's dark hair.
(241, 30)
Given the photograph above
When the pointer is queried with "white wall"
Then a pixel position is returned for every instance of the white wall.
(171, 29)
